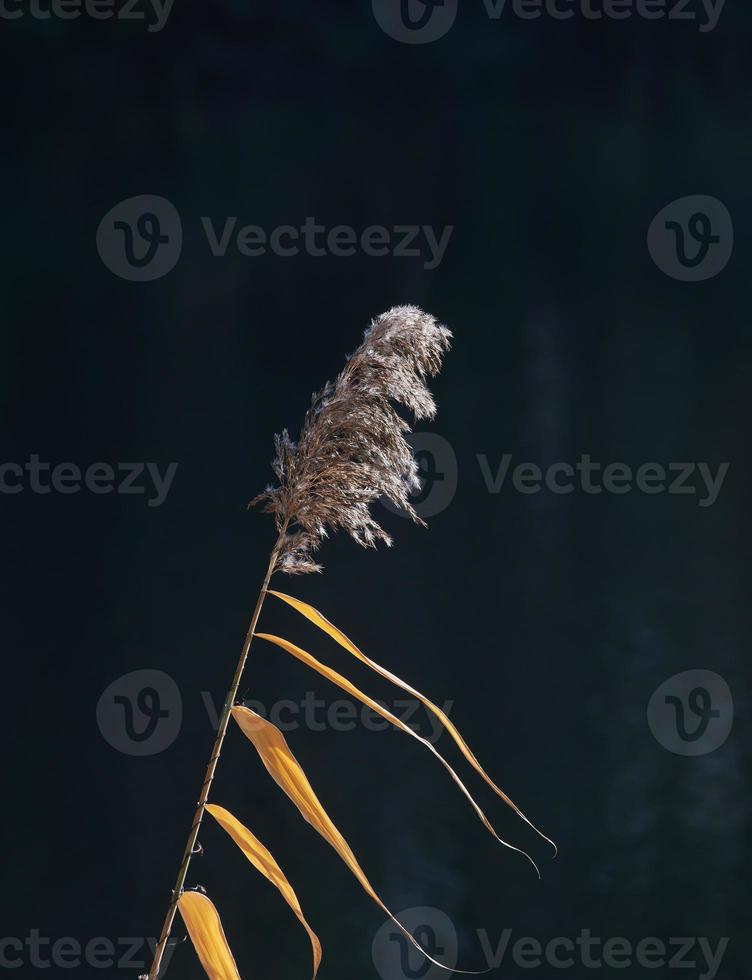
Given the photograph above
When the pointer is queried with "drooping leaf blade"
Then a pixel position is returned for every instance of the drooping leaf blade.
(286, 771)
(208, 937)
(344, 684)
(262, 859)
(318, 619)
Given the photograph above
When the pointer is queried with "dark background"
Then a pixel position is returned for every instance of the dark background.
(549, 620)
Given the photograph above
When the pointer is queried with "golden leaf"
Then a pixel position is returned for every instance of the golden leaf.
(286, 771)
(349, 688)
(263, 861)
(318, 619)
(208, 937)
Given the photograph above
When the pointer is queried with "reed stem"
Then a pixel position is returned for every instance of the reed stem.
(211, 768)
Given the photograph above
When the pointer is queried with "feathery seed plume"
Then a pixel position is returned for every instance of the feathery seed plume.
(352, 447)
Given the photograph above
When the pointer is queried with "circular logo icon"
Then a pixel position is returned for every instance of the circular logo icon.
(692, 239)
(396, 958)
(140, 713)
(437, 462)
(691, 713)
(141, 238)
(415, 21)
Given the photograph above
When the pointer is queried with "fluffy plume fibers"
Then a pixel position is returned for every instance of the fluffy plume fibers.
(352, 447)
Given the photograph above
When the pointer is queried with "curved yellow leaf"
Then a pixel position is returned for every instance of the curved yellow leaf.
(263, 861)
(208, 937)
(286, 771)
(351, 689)
(318, 619)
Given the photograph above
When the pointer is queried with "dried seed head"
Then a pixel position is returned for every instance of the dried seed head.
(352, 447)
